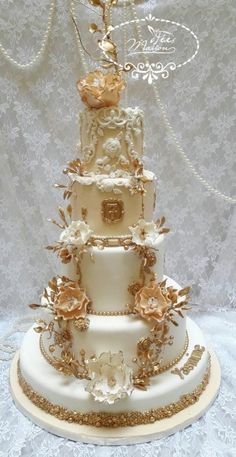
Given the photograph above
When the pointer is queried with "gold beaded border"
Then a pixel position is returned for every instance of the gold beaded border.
(152, 373)
(119, 419)
(110, 313)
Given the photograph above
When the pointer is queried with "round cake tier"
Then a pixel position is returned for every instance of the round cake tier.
(116, 333)
(65, 396)
(112, 204)
(108, 274)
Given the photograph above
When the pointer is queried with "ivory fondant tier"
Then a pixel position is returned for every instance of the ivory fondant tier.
(165, 390)
(112, 204)
(107, 275)
(110, 138)
(120, 333)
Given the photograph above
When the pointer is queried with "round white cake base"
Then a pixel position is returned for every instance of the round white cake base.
(121, 435)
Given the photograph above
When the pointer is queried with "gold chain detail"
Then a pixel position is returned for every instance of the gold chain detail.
(112, 241)
(119, 419)
(152, 373)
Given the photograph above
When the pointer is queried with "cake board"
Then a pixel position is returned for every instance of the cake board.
(120, 435)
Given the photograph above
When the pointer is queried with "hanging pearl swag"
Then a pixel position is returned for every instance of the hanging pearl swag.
(40, 53)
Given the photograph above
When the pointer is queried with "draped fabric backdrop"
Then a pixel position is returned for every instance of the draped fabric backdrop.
(39, 133)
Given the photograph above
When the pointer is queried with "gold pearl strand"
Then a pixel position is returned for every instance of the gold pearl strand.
(109, 313)
(203, 181)
(41, 51)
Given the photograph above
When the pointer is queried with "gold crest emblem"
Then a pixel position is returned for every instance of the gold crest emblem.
(112, 210)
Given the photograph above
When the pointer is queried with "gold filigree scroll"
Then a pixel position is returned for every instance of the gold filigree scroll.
(111, 420)
(191, 363)
(149, 352)
(112, 210)
(148, 256)
(65, 362)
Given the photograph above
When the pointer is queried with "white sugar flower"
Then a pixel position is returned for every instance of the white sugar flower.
(112, 147)
(110, 377)
(77, 233)
(144, 233)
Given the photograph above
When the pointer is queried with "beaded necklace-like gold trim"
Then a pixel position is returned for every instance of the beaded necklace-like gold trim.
(110, 313)
(119, 419)
(152, 373)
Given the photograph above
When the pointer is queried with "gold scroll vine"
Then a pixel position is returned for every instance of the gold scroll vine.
(68, 365)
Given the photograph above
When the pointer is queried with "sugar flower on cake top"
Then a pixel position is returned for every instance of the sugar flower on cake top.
(77, 233)
(99, 90)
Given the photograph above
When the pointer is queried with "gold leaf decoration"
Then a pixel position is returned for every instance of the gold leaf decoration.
(34, 306)
(93, 28)
(53, 221)
(95, 2)
(164, 230)
(59, 186)
(69, 210)
(106, 45)
(184, 291)
(62, 215)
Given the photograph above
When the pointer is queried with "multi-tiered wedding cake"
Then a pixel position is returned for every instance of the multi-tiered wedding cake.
(114, 347)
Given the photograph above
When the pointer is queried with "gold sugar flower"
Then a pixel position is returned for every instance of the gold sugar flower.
(71, 303)
(151, 303)
(99, 90)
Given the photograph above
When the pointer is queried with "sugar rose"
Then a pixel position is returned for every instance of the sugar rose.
(99, 90)
(71, 303)
(151, 303)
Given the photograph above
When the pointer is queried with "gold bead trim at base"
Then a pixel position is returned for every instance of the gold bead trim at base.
(153, 373)
(119, 419)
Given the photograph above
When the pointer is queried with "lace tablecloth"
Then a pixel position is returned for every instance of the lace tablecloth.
(212, 436)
